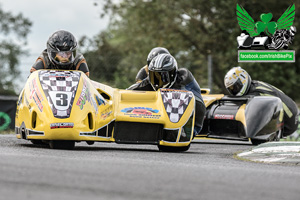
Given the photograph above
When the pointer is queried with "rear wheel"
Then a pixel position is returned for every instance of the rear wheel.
(275, 138)
(62, 144)
(173, 149)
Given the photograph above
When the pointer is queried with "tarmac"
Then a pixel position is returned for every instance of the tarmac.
(286, 152)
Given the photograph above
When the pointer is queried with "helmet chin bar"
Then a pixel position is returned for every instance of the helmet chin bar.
(63, 67)
(156, 87)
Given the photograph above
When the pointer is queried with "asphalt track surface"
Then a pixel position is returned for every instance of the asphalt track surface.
(114, 171)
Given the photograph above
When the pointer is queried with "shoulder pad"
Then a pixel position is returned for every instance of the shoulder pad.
(78, 58)
(44, 57)
(185, 75)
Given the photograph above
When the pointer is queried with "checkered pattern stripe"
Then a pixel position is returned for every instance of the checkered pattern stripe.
(65, 81)
(175, 103)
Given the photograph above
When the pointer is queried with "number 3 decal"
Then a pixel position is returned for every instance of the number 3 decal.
(61, 99)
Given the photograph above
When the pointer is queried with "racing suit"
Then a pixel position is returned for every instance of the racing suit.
(184, 81)
(43, 62)
(142, 74)
(290, 108)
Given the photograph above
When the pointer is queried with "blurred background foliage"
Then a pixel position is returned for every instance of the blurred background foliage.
(190, 29)
(13, 33)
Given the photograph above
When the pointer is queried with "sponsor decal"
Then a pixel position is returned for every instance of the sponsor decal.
(106, 113)
(26, 99)
(260, 41)
(94, 104)
(57, 73)
(173, 90)
(220, 116)
(99, 100)
(20, 99)
(36, 95)
(84, 96)
(141, 112)
(61, 125)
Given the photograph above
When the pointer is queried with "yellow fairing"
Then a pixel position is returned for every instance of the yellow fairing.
(148, 107)
(89, 113)
(210, 98)
(146, 101)
(240, 115)
(67, 105)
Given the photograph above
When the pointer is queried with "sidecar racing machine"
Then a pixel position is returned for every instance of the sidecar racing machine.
(63, 107)
(255, 118)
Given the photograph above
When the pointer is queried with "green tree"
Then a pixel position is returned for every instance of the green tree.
(17, 27)
(191, 30)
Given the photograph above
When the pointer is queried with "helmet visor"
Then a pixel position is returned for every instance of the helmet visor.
(235, 88)
(63, 57)
(159, 79)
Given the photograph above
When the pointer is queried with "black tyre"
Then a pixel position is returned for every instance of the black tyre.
(276, 137)
(90, 142)
(37, 142)
(257, 142)
(173, 149)
(62, 144)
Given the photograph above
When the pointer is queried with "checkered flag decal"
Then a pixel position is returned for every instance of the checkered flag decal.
(176, 102)
(59, 81)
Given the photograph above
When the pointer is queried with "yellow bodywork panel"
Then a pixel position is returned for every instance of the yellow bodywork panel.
(146, 101)
(86, 116)
(83, 110)
(210, 98)
(240, 115)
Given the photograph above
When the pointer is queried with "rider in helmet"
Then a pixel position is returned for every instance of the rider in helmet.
(143, 73)
(61, 53)
(238, 83)
(164, 73)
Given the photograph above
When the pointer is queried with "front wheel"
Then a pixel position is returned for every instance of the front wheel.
(62, 144)
(173, 149)
(37, 142)
(257, 142)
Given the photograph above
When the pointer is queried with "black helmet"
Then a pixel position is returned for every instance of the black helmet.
(61, 48)
(154, 52)
(162, 71)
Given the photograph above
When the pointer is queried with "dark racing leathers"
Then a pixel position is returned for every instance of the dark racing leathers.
(142, 74)
(290, 108)
(184, 81)
(43, 62)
